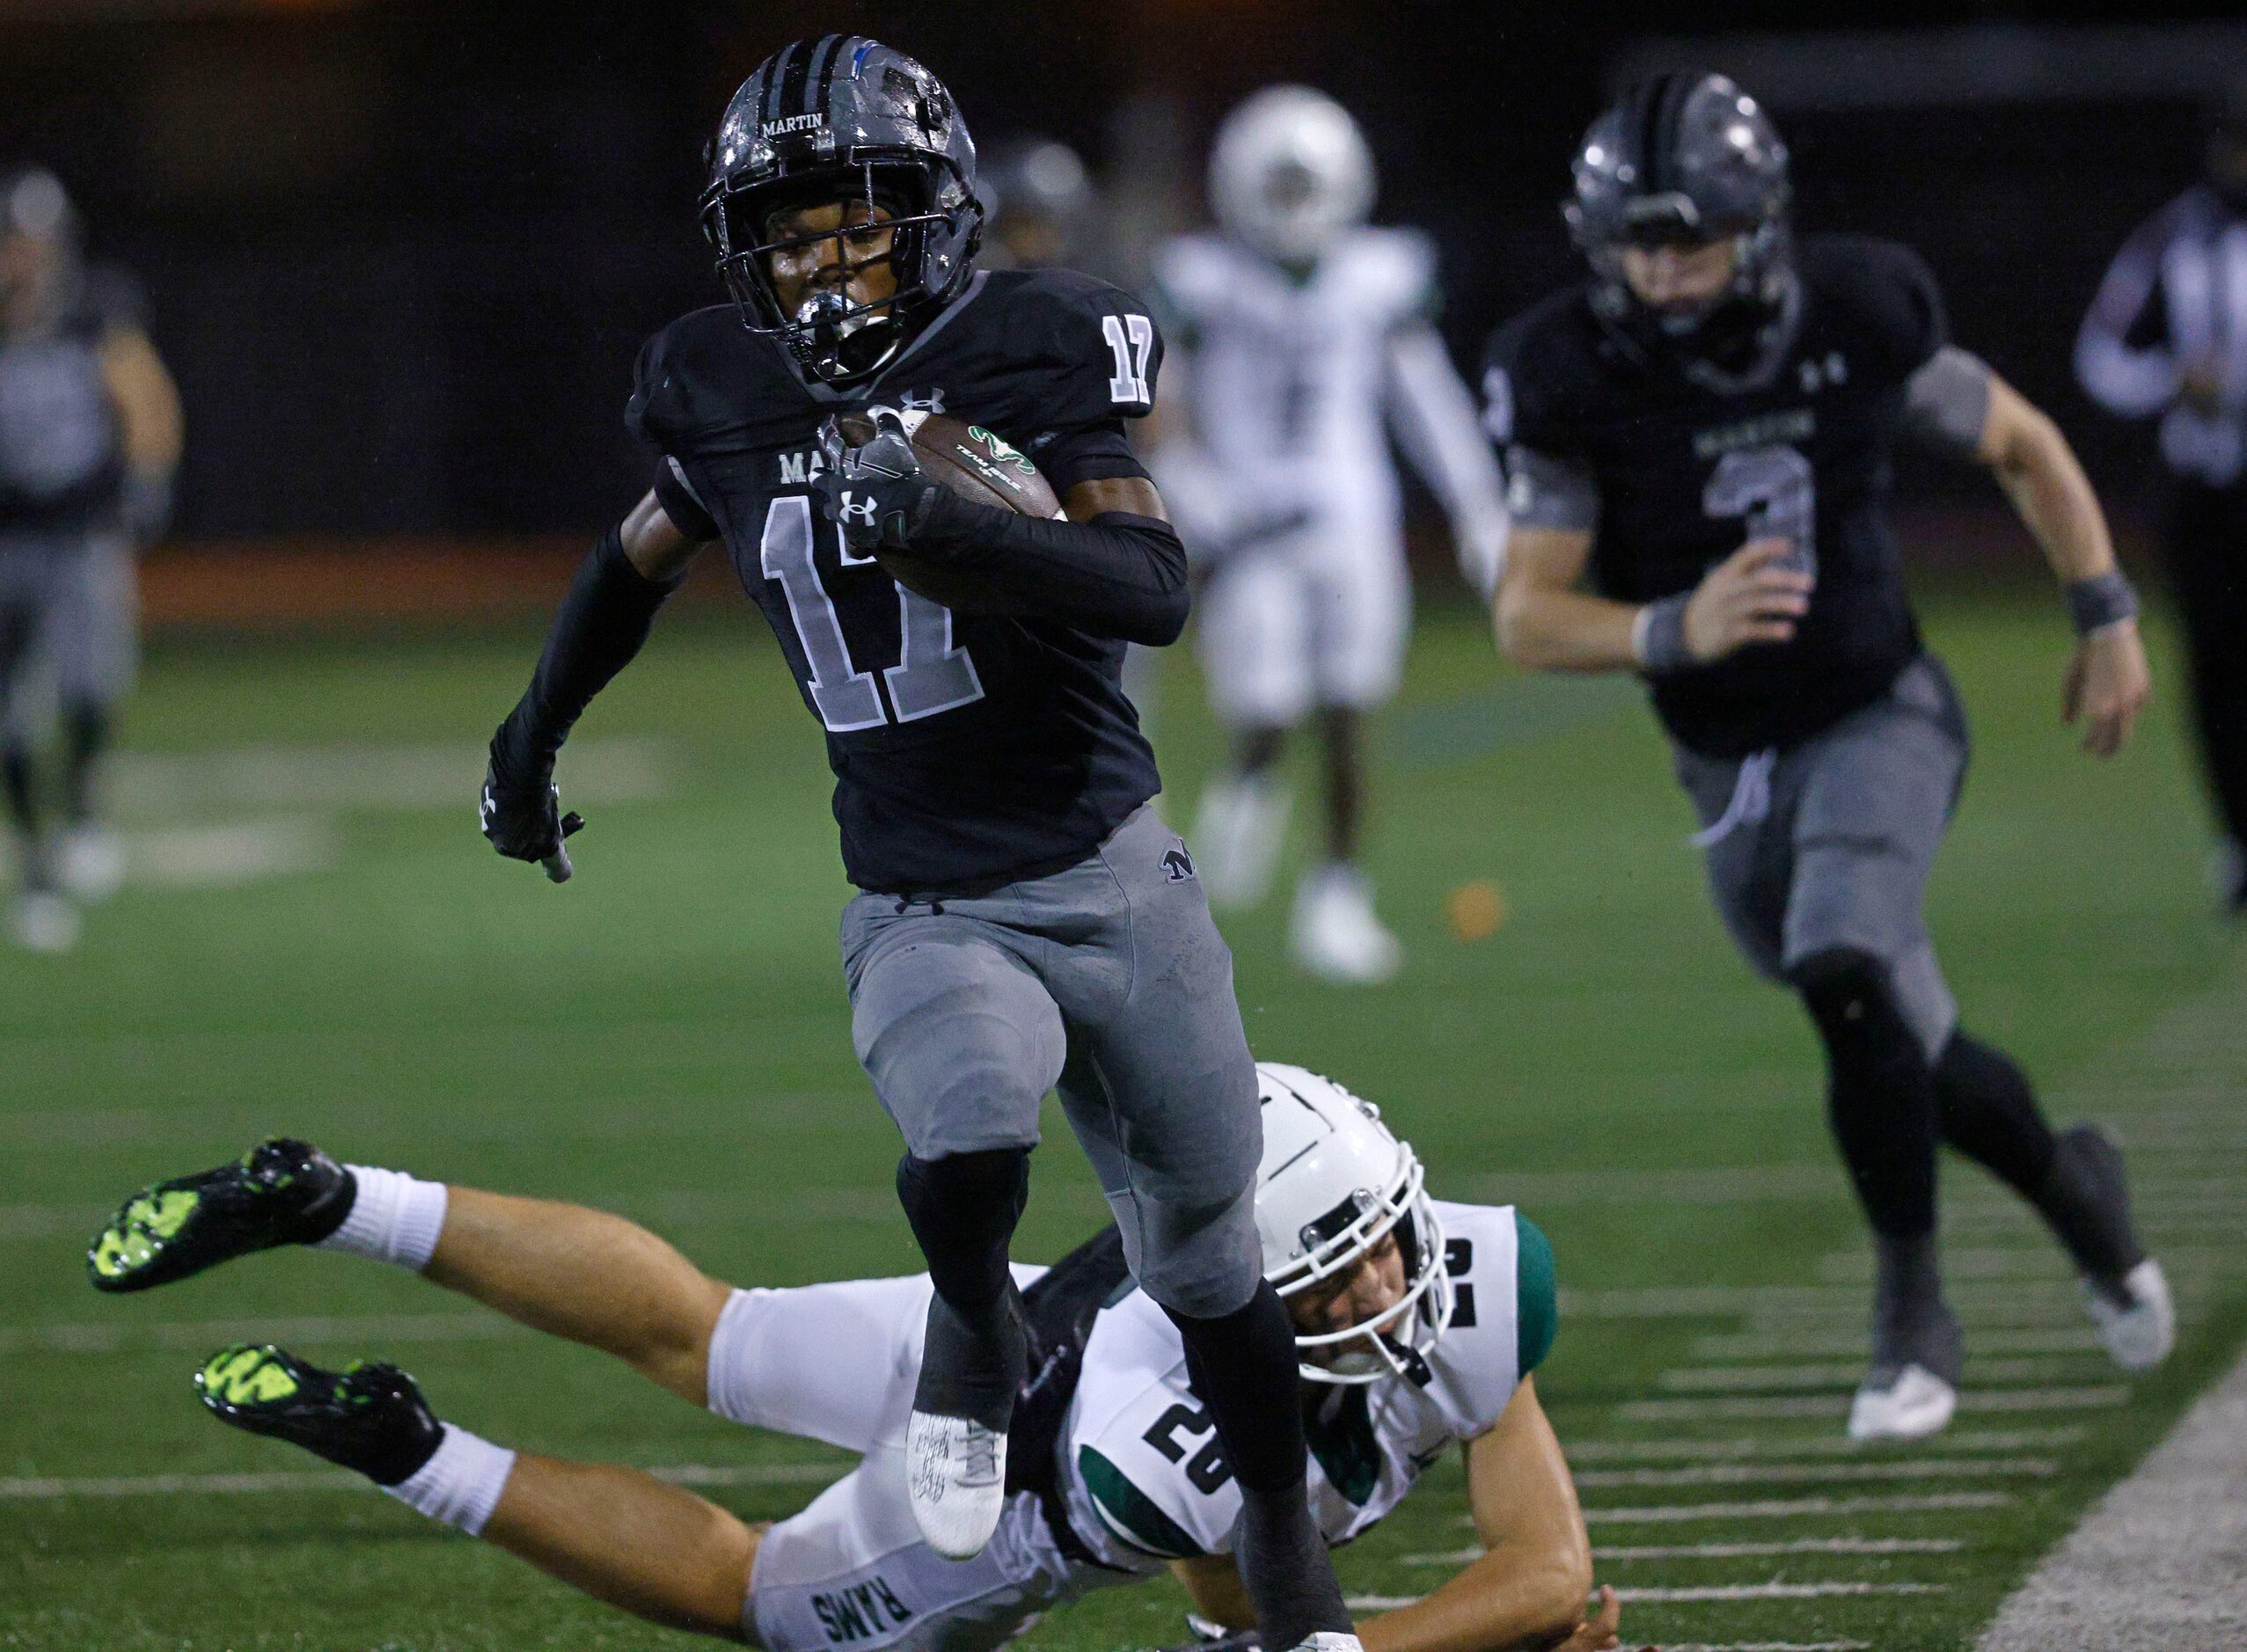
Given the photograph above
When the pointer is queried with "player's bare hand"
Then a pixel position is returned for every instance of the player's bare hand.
(1756, 594)
(1597, 1633)
(2108, 685)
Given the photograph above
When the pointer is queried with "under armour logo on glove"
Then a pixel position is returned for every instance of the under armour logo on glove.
(876, 492)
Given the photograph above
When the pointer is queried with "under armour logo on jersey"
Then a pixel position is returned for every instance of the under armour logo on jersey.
(1177, 863)
(855, 509)
(932, 402)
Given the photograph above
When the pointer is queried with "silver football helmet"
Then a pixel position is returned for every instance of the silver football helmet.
(1290, 173)
(1334, 1185)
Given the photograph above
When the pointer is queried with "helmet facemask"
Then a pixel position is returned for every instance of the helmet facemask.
(1398, 1338)
(832, 336)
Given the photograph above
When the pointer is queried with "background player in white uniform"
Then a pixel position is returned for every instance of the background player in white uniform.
(1302, 339)
(1418, 1323)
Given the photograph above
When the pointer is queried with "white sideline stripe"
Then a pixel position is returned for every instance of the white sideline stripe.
(1728, 1185)
(226, 856)
(1775, 1591)
(1991, 1262)
(2161, 1560)
(1702, 1592)
(202, 1335)
(1747, 1379)
(1760, 1406)
(41, 1489)
(167, 787)
(1726, 1551)
(1821, 1445)
(1799, 1474)
(1850, 1340)
(1790, 1508)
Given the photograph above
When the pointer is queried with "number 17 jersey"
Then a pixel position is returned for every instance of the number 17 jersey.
(967, 750)
(1671, 476)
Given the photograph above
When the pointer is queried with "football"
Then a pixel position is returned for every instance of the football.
(976, 464)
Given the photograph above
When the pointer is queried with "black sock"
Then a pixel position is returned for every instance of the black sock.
(1988, 1112)
(963, 1208)
(86, 737)
(16, 784)
(1243, 1365)
(1881, 1093)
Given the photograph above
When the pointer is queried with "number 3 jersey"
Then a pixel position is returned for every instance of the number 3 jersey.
(1143, 1480)
(967, 750)
(1671, 476)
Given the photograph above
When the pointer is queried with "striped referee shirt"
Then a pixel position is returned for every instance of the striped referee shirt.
(2176, 300)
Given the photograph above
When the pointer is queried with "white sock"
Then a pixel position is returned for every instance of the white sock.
(396, 1218)
(461, 1482)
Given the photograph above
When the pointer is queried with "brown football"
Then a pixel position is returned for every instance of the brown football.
(976, 466)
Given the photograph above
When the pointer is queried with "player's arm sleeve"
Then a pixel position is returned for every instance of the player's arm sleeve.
(651, 416)
(1536, 1297)
(1119, 575)
(1902, 307)
(1547, 485)
(1095, 452)
(1946, 403)
(2124, 356)
(1436, 424)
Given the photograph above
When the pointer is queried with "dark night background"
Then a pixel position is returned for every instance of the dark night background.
(399, 256)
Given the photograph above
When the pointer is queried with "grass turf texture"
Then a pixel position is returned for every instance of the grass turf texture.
(668, 1036)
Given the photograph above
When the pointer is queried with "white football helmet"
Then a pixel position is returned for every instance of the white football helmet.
(1333, 1185)
(1289, 172)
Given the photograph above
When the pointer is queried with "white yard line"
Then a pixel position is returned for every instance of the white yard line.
(1850, 1340)
(1793, 1507)
(1807, 1474)
(1821, 1445)
(1726, 1551)
(1723, 1186)
(227, 855)
(1821, 1591)
(41, 1489)
(2042, 1261)
(1765, 1408)
(1769, 1646)
(1750, 1379)
(201, 1335)
(2160, 1563)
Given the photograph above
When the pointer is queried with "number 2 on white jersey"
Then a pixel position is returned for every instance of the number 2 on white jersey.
(1131, 339)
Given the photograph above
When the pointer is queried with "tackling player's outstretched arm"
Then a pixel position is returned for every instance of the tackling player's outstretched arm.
(1527, 1591)
(600, 626)
(1955, 399)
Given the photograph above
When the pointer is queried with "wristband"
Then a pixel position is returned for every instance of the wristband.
(2106, 599)
(1657, 636)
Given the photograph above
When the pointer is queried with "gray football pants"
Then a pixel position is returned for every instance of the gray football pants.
(1109, 982)
(70, 623)
(1828, 844)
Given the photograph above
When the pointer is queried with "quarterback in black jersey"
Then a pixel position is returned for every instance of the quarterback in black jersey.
(1698, 441)
(1025, 922)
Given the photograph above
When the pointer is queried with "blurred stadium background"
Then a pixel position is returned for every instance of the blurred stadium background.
(400, 257)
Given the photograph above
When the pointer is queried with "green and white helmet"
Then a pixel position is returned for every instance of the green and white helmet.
(1334, 1183)
(1291, 173)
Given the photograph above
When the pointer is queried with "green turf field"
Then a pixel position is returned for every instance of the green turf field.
(668, 1036)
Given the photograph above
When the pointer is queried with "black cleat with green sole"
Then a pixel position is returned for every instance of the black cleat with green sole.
(281, 1192)
(369, 1416)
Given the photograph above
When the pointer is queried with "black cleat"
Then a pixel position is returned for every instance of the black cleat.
(281, 1192)
(369, 1417)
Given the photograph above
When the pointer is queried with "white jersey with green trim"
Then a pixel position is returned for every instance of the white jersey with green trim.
(1288, 379)
(1145, 1481)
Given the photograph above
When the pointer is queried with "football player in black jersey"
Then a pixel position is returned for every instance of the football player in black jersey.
(89, 435)
(1698, 442)
(1025, 921)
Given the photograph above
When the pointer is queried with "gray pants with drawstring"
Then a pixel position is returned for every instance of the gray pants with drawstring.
(1828, 844)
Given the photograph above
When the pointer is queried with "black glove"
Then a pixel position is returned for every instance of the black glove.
(1215, 1637)
(522, 813)
(877, 491)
